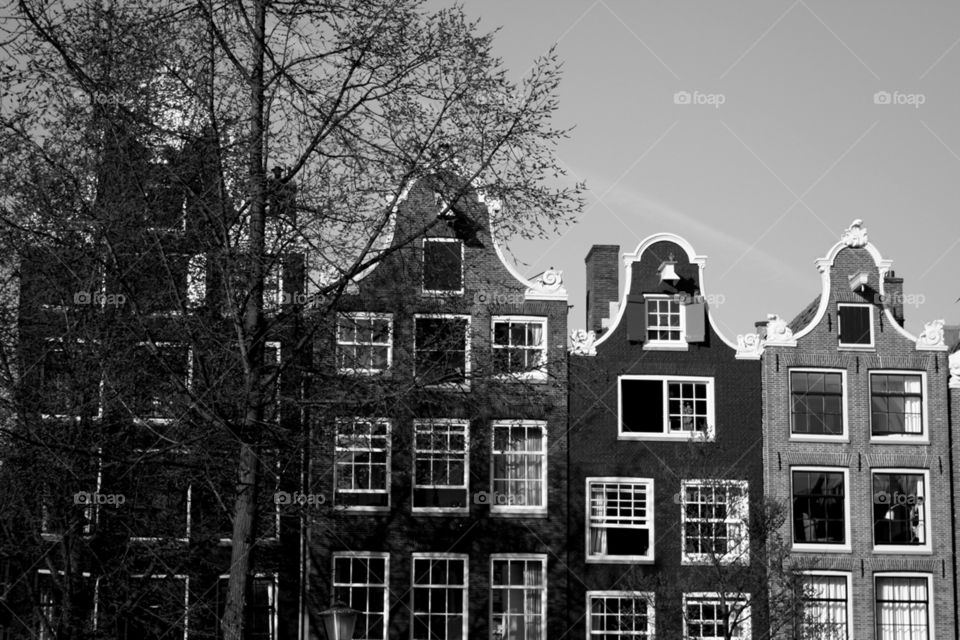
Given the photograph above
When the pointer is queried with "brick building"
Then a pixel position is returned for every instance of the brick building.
(857, 444)
(665, 443)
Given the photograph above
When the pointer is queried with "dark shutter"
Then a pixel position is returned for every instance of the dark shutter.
(442, 265)
(696, 322)
(636, 319)
(854, 325)
(641, 406)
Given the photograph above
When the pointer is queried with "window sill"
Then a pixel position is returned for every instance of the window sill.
(434, 512)
(856, 347)
(364, 372)
(796, 437)
(694, 436)
(801, 547)
(666, 346)
(912, 550)
(339, 508)
(506, 512)
(911, 440)
(538, 377)
(706, 560)
(620, 560)
(429, 293)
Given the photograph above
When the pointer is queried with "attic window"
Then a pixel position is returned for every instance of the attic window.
(855, 325)
(442, 265)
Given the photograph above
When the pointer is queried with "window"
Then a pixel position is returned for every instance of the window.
(364, 342)
(439, 597)
(664, 320)
(61, 512)
(520, 346)
(826, 609)
(817, 403)
(157, 609)
(157, 281)
(518, 597)
(442, 265)
(360, 581)
(901, 509)
(620, 520)
(896, 404)
(441, 466)
(519, 467)
(903, 607)
(442, 348)
(714, 516)
(158, 380)
(50, 605)
(158, 497)
(362, 466)
(653, 407)
(69, 381)
(261, 622)
(709, 616)
(820, 508)
(855, 325)
(612, 615)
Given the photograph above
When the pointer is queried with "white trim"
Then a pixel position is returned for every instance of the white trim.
(423, 268)
(849, 599)
(465, 608)
(856, 346)
(462, 386)
(59, 340)
(649, 489)
(647, 596)
(924, 437)
(387, 592)
(680, 344)
(466, 469)
(542, 558)
(845, 547)
(389, 465)
(520, 509)
(740, 554)
(931, 617)
(927, 547)
(665, 433)
(743, 626)
(844, 400)
(534, 375)
(362, 315)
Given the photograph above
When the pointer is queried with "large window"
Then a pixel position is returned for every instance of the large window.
(820, 507)
(364, 342)
(714, 517)
(896, 404)
(620, 520)
(903, 607)
(441, 466)
(360, 581)
(518, 597)
(520, 346)
(439, 597)
(654, 407)
(442, 265)
(901, 509)
(156, 609)
(362, 466)
(709, 616)
(826, 611)
(261, 621)
(519, 467)
(855, 325)
(620, 615)
(442, 348)
(817, 403)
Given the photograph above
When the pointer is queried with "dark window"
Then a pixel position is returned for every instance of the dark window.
(642, 406)
(896, 404)
(817, 401)
(442, 265)
(157, 382)
(364, 343)
(441, 349)
(50, 595)
(69, 385)
(261, 607)
(157, 496)
(854, 324)
(156, 610)
(518, 346)
(819, 512)
(899, 509)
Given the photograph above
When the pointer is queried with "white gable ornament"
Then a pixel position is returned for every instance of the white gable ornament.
(855, 236)
(931, 338)
(749, 346)
(583, 343)
(547, 286)
(778, 333)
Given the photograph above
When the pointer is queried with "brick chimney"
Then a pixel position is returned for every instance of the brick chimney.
(893, 295)
(603, 283)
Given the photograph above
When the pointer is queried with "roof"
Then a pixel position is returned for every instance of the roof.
(804, 318)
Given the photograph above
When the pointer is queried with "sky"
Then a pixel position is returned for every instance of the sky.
(758, 131)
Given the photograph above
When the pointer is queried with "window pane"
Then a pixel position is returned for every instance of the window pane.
(442, 265)
(818, 507)
(902, 608)
(642, 406)
(896, 404)
(817, 402)
(899, 509)
(854, 324)
(441, 349)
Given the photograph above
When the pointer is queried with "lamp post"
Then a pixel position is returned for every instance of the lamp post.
(338, 622)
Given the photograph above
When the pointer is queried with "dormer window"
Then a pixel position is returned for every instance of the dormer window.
(855, 325)
(442, 266)
(664, 320)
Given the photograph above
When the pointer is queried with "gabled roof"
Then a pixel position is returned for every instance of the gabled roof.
(803, 318)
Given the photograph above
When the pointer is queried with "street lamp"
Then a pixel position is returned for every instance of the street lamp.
(338, 622)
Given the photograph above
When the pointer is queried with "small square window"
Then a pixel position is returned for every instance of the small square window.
(901, 510)
(520, 346)
(664, 320)
(442, 265)
(620, 520)
(820, 508)
(364, 342)
(896, 404)
(855, 325)
(817, 403)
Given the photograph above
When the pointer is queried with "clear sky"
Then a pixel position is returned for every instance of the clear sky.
(764, 183)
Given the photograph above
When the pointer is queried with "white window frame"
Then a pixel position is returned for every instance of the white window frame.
(533, 375)
(535, 557)
(44, 608)
(186, 593)
(370, 555)
(665, 433)
(647, 596)
(931, 617)
(855, 346)
(849, 600)
(743, 629)
(927, 546)
(924, 436)
(445, 422)
(507, 509)
(362, 315)
(602, 558)
(423, 268)
(273, 597)
(463, 557)
(186, 538)
(814, 437)
(740, 553)
(465, 385)
(824, 548)
(680, 344)
(188, 383)
(336, 466)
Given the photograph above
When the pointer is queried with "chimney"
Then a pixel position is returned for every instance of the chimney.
(603, 283)
(893, 295)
